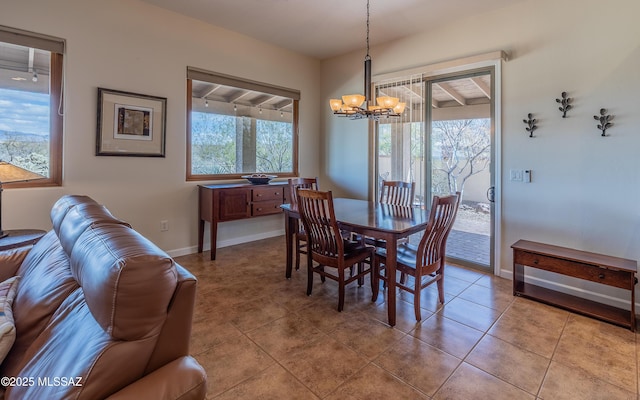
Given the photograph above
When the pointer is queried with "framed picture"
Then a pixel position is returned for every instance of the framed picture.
(130, 124)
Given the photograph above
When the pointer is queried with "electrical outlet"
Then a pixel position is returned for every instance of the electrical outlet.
(164, 225)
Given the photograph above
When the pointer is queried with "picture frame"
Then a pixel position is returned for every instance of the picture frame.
(130, 124)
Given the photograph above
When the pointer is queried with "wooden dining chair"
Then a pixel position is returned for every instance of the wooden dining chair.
(426, 261)
(394, 193)
(397, 193)
(326, 245)
(300, 235)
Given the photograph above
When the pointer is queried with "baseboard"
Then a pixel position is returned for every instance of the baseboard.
(614, 301)
(226, 243)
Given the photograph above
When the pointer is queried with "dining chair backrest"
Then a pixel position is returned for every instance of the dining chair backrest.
(432, 247)
(319, 220)
(303, 183)
(397, 193)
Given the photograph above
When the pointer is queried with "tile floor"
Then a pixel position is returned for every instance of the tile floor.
(260, 337)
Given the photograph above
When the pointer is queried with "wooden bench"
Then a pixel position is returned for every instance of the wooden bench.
(603, 269)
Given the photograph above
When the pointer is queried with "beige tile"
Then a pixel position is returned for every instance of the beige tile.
(489, 297)
(232, 362)
(366, 336)
(512, 364)
(252, 314)
(469, 313)
(374, 383)
(323, 365)
(324, 318)
(272, 383)
(285, 335)
(206, 334)
(405, 315)
(418, 364)
(531, 325)
(589, 344)
(567, 383)
(496, 282)
(471, 383)
(448, 335)
(463, 274)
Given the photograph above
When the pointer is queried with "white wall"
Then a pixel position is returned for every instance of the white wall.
(585, 191)
(132, 46)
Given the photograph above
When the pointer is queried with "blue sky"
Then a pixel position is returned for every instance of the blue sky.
(25, 112)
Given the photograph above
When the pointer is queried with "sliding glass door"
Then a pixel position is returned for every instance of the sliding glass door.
(444, 143)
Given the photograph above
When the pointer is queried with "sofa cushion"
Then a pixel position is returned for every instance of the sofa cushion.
(128, 282)
(7, 327)
(74, 345)
(78, 218)
(46, 281)
(64, 204)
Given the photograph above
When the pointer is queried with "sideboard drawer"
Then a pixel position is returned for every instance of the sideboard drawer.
(266, 207)
(268, 193)
(576, 269)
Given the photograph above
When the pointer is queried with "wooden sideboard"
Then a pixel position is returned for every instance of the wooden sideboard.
(603, 269)
(229, 202)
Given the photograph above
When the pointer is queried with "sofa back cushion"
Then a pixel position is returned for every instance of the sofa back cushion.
(64, 204)
(127, 281)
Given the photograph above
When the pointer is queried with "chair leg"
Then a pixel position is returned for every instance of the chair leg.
(323, 279)
(361, 278)
(297, 254)
(375, 279)
(309, 274)
(416, 297)
(340, 289)
(440, 284)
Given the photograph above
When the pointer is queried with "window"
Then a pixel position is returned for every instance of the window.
(237, 127)
(31, 104)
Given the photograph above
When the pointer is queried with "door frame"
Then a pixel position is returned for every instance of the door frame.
(430, 81)
(492, 60)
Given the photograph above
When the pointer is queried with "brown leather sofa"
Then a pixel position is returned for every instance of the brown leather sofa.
(100, 312)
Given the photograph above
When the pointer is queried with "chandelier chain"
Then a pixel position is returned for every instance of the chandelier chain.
(367, 57)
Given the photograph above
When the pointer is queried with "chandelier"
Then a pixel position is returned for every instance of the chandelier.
(357, 106)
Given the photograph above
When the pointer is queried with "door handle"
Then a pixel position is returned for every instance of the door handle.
(491, 194)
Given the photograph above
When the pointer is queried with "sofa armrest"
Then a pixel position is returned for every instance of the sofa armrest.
(182, 379)
(10, 261)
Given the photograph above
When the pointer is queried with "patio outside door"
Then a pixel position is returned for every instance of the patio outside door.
(459, 140)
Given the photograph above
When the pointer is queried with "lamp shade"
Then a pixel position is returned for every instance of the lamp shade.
(399, 108)
(335, 104)
(353, 100)
(12, 173)
(387, 101)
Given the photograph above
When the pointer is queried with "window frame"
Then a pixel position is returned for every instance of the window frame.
(213, 77)
(56, 47)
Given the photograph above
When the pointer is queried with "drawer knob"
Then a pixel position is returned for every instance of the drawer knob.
(535, 262)
(601, 276)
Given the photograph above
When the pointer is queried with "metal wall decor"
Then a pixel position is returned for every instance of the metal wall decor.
(531, 124)
(565, 104)
(605, 121)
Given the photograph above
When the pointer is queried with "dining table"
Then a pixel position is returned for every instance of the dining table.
(386, 222)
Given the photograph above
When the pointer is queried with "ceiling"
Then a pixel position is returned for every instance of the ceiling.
(328, 28)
